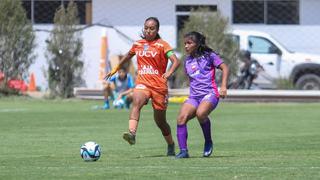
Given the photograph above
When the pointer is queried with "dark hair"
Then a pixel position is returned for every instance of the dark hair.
(157, 25)
(200, 41)
(123, 68)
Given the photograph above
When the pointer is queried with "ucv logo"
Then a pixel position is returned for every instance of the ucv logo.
(146, 53)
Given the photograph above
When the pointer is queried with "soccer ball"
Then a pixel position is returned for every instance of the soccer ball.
(90, 151)
(118, 103)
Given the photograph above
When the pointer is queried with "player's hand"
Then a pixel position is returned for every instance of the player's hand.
(112, 72)
(223, 92)
(119, 96)
(166, 75)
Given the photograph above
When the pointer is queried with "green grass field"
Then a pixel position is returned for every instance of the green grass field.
(40, 139)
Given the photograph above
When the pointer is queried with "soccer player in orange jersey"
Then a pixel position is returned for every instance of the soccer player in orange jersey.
(151, 83)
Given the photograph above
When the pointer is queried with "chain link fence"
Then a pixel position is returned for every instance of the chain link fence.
(293, 23)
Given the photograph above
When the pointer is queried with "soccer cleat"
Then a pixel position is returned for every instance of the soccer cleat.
(183, 154)
(129, 137)
(106, 106)
(208, 148)
(170, 150)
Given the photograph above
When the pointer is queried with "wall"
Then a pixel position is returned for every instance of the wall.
(129, 16)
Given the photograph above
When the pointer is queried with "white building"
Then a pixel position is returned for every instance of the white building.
(295, 23)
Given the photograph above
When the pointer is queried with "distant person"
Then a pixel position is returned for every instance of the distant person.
(152, 54)
(200, 65)
(120, 88)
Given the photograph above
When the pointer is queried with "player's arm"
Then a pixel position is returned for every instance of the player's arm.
(122, 61)
(175, 64)
(225, 73)
(124, 93)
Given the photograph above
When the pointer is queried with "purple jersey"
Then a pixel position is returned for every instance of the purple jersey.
(201, 73)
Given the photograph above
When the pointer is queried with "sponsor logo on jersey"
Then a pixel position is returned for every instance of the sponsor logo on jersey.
(140, 86)
(193, 74)
(158, 44)
(146, 53)
(145, 47)
(147, 69)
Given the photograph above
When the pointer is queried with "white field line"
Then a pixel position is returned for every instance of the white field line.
(166, 167)
(12, 110)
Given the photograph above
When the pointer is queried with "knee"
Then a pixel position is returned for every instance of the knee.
(182, 119)
(164, 127)
(201, 115)
(162, 124)
(107, 87)
(138, 102)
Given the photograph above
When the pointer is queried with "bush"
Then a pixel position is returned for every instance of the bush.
(215, 27)
(64, 48)
(284, 83)
(16, 43)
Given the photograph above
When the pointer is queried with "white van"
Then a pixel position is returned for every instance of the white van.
(278, 62)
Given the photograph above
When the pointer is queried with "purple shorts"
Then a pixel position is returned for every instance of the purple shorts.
(196, 101)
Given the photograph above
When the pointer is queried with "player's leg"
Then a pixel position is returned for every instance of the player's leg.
(128, 100)
(207, 105)
(160, 119)
(140, 98)
(107, 91)
(187, 112)
(159, 104)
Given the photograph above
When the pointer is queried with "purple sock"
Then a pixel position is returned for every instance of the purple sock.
(182, 135)
(206, 129)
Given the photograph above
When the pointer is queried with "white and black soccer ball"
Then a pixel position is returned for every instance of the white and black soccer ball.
(118, 103)
(90, 151)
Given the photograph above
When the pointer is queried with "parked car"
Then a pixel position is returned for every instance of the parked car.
(15, 84)
(303, 69)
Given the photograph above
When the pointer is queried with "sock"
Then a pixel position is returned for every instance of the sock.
(206, 129)
(106, 102)
(182, 135)
(133, 125)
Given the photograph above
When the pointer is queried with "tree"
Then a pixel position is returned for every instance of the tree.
(215, 27)
(64, 48)
(16, 42)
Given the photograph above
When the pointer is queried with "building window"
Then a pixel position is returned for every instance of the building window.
(42, 12)
(265, 12)
(183, 13)
(283, 12)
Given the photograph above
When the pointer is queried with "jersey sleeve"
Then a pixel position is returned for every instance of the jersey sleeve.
(216, 60)
(133, 48)
(166, 47)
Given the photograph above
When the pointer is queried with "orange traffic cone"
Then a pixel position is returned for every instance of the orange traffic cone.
(32, 83)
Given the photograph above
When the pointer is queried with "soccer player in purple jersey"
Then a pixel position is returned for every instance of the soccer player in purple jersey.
(200, 65)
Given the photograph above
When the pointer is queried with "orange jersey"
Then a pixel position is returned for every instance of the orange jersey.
(152, 62)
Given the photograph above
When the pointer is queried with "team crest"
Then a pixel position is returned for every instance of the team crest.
(193, 67)
(145, 47)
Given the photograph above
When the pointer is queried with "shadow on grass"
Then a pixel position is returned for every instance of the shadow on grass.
(191, 157)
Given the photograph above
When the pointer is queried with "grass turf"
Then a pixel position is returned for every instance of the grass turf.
(40, 139)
